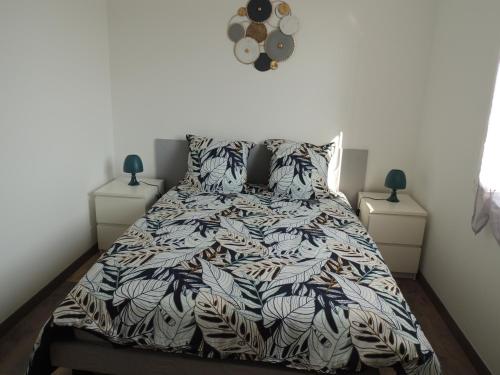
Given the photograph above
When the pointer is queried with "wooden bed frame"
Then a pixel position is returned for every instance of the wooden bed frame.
(86, 352)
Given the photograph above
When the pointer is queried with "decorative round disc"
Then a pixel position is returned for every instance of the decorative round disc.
(263, 63)
(257, 31)
(242, 20)
(274, 19)
(284, 9)
(259, 10)
(242, 12)
(289, 25)
(236, 32)
(279, 46)
(263, 33)
(247, 50)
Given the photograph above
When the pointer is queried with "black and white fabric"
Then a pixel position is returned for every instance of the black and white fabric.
(248, 277)
(217, 165)
(299, 170)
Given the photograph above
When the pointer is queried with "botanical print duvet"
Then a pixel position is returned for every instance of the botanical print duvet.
(248, 276)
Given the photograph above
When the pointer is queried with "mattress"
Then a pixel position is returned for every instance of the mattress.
(250, 277)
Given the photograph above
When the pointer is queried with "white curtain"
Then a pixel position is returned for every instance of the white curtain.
(487, 206)
(487, 209)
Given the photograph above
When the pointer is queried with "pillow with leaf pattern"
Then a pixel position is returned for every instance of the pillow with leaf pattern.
(299, 170)
(217, 165)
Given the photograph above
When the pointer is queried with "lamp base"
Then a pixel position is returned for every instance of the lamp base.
(133, 180)
(393, 197)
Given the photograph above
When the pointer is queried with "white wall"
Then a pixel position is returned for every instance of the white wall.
(359, 66)
(56, 137)
(463, 269)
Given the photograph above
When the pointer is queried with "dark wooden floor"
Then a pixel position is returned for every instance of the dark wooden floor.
(16, 345)
(453, 359)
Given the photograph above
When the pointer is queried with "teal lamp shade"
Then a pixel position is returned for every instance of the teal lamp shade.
(395, 180)
(133, 165)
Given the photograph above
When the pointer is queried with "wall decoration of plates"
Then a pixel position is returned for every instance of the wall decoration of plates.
(263, 33)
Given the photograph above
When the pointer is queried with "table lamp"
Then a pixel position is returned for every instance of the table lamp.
(395, 180)
(133, 164)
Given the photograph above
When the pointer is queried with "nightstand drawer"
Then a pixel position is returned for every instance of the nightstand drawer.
(401, 259)
(117, 210)
(397, 229)
(107, 234)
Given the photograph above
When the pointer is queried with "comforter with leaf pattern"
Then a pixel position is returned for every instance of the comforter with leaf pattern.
(248, 277)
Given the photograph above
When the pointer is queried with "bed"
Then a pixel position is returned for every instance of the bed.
(244, 282)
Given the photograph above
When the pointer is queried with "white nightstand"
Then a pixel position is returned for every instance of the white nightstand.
(397, 228)
(119, 205)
